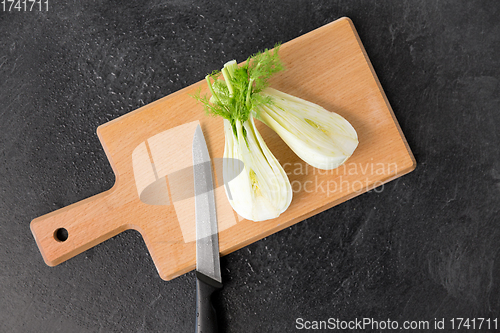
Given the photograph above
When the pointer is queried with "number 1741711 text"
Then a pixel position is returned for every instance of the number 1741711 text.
(24, 5)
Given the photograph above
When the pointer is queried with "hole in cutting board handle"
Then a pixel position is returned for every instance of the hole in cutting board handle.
(61, 235)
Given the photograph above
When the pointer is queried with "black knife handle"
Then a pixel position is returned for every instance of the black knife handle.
(206, 317)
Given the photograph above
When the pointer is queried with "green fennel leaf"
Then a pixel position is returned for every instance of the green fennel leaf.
(235, 89)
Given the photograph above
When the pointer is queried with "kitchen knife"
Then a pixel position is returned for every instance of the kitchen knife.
(208, 275)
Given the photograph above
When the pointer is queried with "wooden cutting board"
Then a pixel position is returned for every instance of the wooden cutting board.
(150, 152)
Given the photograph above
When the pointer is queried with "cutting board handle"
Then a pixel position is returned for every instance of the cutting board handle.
(64, 233)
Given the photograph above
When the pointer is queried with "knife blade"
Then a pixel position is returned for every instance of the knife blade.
(208, 273)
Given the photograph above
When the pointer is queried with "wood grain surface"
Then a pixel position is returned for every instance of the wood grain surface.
(150, 152)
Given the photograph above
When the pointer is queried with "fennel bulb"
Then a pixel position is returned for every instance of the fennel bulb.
(262, 190)
(239, 94)
(321, 138)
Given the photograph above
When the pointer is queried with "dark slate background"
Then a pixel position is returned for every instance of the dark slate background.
(426, 246)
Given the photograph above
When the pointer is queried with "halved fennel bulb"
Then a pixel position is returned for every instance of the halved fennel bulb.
(238, 93)
(321, 138)
(262, 190)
